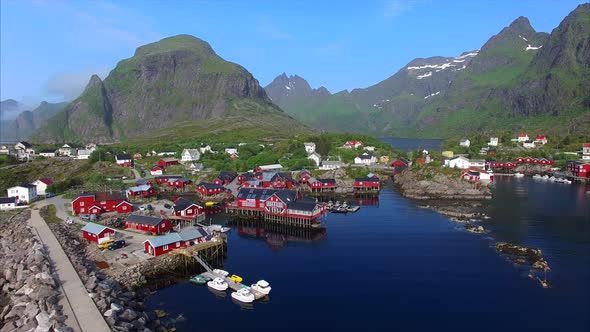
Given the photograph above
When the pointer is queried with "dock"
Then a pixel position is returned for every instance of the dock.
(232, 284)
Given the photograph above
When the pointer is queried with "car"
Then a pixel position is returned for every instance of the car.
(123, 177)
(150, 207)
(236, 278)
(168, 206)
(142, 208)
(117, 244)
(85, 216)
(105, 244)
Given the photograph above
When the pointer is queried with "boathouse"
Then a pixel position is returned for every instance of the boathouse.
(143, 190)
(225, 178)
(178, 182)
(277, 180)
(93, 232)
(165, 178)
(154, 225)
(252, 184)
(322, 185)
(160, 245)
(209, 189)
(578, 169)
(167, 162)
(304, 176)
(186, 208)
(98, 203)
(369, 183)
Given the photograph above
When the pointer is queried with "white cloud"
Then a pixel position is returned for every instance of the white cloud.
(70, 84)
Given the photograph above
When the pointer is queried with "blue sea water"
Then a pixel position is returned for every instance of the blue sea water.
(395, 266)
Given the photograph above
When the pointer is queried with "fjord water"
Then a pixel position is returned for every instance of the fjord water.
(397, 266)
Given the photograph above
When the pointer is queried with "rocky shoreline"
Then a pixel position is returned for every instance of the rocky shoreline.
(30, 288)
(526, 256)
(122, 308)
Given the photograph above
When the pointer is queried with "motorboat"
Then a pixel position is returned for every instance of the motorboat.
(537, 177)
(262, 286)
(545, 177)
(243, 295)
(218, 284)
(553, 178)
(563, 180)
(518, 175)
(218, 228)
(199, 279)
(222, 273)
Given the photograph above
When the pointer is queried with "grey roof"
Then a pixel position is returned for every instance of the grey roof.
(258, 193)
(210, 185)
(122, 157)
(94, 228)
(332, 162)
(140, 182)
(143, 187)
(182, 204)
(268, 176)
(27, 185)
(185, 235)
(48, 151)
(366, 156)
(152, 221)
(7, 200)
(287, 196)
(302, 206)
(181, 179)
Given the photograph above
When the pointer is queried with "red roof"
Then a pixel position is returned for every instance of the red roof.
(540, 137)
(522, 135)
(586, 145)
(46, 181)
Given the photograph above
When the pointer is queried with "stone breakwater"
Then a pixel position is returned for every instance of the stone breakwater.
(123, 309)
(30, 289)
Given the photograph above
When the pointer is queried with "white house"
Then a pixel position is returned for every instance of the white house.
(205, 148)
(309, 147)
(369, 148)
(331, 164)
(189, 155)
(90, 146)
(156, 170)
(365, 159)
(166, 153)
(84, 154)
(586, 151)
(479, 163)
(231, 151)
(458, 162)
(316, 158)
(24, 146)
(541, 139)
(493, 141)
(25, 193)
(528, 144)
(522, 137)
(48, 153)
(465, 142)
(7, 203)
(195, 167)
(65, 150)
(41, 185)
(5, 149)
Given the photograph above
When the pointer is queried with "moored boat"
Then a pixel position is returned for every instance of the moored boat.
(199, 279)
(243, 295)
(518, 175)
(218, 284)
(222, 273)
(262, 286)
(537, 177)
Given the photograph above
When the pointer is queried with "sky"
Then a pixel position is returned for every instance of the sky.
(49, 49)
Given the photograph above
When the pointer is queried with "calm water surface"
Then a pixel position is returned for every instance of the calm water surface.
(394, 266)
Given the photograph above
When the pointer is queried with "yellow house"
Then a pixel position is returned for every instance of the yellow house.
(384, 159)
(448, 154)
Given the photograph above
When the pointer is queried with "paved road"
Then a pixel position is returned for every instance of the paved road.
(86, 316)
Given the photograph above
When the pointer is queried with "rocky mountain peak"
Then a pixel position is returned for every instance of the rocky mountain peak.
(174, 44)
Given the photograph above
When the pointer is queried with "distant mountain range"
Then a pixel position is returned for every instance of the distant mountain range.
(519, 79)
(175, 88)
(17, 124)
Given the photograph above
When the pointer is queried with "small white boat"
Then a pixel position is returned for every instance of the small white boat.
(518, 175)
(552, 178)
(218, 284)
(222, 273)
(545, 177)
(262, 286)
(563, 180)
(537, 177)
(243, 295)
(218, 228)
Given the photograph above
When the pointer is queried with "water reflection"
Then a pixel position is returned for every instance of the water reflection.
(278, 237)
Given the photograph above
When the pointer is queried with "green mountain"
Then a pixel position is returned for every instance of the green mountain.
(177, 87)
(519, 79)
(27, 122)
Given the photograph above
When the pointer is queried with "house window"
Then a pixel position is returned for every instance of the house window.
(177, 244)
(82, 209)
(124, 207)
(81, 203)
(166, 247)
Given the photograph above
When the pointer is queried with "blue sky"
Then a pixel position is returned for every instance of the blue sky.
(49, 49)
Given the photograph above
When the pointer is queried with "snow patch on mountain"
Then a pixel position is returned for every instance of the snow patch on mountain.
(425, 75)
(526, 40)
(432, 95)
(530, 47)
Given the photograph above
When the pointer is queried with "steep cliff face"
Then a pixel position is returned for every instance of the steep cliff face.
(558, 79)
(27, 122)
(174, 80)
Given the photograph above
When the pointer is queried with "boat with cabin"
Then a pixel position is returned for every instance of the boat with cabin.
(218, 284)
(243, 295)
(262, 286)
(199, 279)
(220, 272)
(518, 175)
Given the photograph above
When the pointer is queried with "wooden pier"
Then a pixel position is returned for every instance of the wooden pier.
(232, 284)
